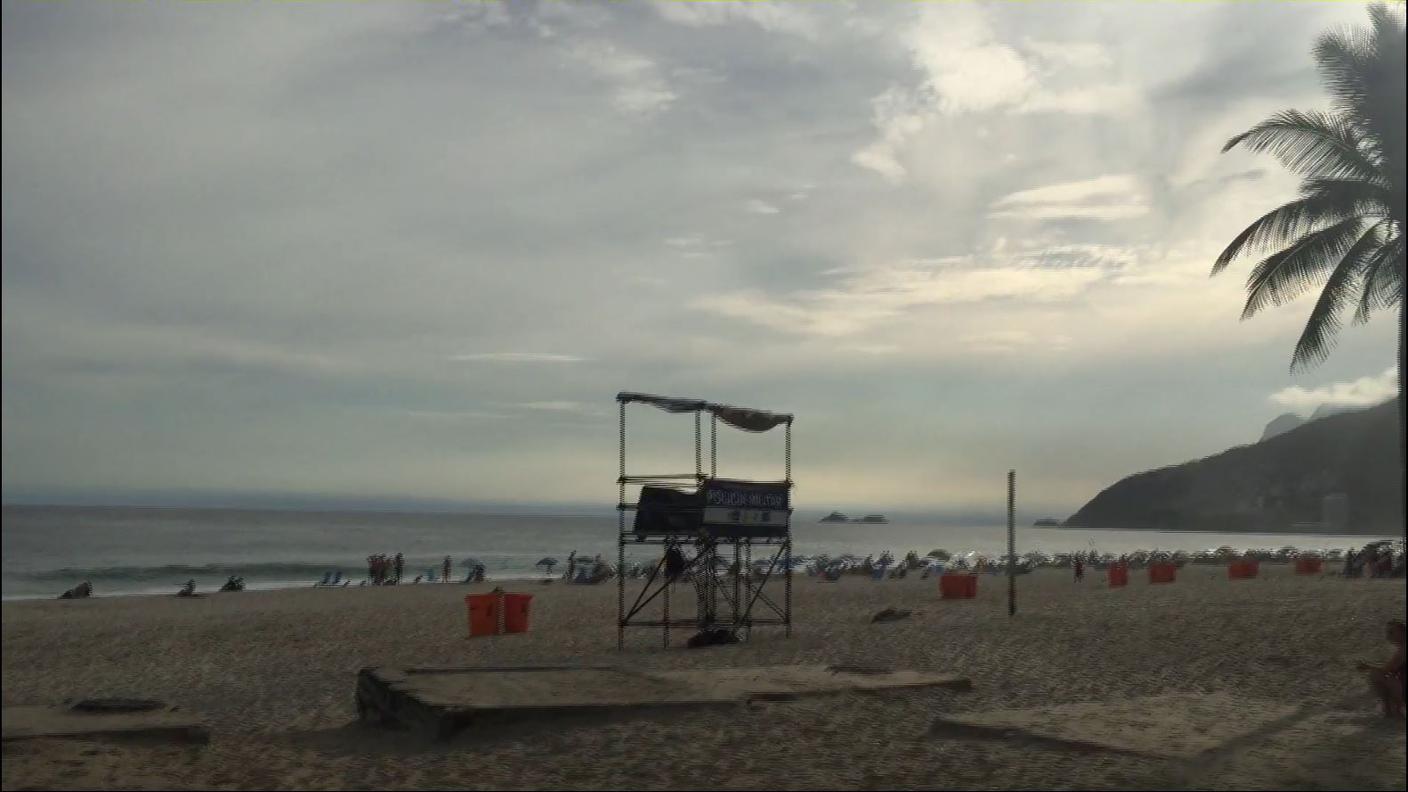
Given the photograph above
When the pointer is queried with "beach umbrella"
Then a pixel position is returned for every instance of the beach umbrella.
(547, 562)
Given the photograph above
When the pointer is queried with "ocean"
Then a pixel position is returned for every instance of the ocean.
(123, 551)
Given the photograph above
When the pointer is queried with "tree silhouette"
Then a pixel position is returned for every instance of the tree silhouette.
(1344, 233)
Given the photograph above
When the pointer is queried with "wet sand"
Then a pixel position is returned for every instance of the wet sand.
(273, 673)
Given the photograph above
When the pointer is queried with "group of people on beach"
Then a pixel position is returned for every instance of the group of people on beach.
(81, 591)
(1375, 560)
(587, 572)
(384, 570)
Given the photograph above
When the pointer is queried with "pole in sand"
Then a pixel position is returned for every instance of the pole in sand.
(1011, 543)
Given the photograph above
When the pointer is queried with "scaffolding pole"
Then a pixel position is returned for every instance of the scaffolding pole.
(1011, 543)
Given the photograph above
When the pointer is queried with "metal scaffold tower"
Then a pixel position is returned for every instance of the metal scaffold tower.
(707, 533)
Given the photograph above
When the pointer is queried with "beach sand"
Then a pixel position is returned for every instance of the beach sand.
(274, 672)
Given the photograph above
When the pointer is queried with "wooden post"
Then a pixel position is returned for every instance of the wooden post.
(1011, 543)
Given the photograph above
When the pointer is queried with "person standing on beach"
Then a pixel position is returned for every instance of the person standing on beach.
(1387, 680)
(1080, 570)
(400, 566)
(445, 578)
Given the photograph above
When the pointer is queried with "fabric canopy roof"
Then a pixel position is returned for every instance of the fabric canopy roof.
(666, 403)
(749, 420)
(739, 417)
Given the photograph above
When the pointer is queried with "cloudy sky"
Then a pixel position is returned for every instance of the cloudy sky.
(411, 250)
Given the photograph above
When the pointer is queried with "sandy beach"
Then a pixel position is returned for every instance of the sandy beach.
(273, 673)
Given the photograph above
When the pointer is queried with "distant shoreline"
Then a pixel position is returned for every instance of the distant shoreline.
(1256, 532)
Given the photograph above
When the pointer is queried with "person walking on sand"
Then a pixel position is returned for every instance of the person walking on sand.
(445, 576)
(1080, 569)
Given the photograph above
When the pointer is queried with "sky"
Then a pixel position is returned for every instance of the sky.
(412, 250)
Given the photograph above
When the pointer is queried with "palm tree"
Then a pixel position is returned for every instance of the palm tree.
(1345, 231)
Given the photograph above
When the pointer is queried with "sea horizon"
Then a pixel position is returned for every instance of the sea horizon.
(126, 550)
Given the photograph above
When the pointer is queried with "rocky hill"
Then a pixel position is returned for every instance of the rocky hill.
(1272, 485)
(1285, 423)
(1282, 424)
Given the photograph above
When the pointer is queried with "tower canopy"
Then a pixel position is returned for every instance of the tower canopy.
(745, 418)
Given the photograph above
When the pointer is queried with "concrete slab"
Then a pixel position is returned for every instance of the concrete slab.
(443, 700)
(786, 682)
(26, 723)
(1176, 725)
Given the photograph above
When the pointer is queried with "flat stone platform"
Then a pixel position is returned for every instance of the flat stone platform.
(26, 723)
(443, 700)
(1173, 726)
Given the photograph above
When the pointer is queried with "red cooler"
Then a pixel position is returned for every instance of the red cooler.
(516, 612)
(1119, 576)
(483, 614)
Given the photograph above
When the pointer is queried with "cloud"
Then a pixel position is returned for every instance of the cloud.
(866, 297)
(548, 183)
(562, 410)
(477, 16)
(695, 246)
(788, 18)
(555, 406)
(1086, 100)
(758, 206)
(1362, 392)
(1073, 54)
(1007, 342)
(962, 69)
(871, 349)
(966, 68)
(453, 415)
(516, 357)
(899, 115)
(1102, 198)
(639, 88)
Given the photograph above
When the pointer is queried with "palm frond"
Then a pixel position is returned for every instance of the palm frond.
(1282, 226)
(1313, 144)
(1383, 281)
(1366, 73)
(1362, 67)
(1320, 329)
(1283, 276)
(1345, 233)
(1360, 197)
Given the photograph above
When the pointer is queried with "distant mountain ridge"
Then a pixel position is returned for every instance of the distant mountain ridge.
(1350, 459)
(1288, 421)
